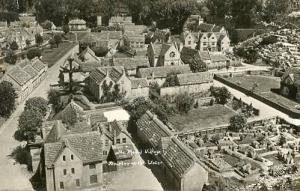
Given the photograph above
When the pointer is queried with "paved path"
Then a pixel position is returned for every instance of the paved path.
(16, 177)
(265, 110)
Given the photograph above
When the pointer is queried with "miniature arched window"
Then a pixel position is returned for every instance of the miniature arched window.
(172, 54)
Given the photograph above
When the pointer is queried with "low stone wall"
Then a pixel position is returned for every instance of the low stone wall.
(190, 89)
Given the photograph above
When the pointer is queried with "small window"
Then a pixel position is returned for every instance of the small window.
(73, 170)
(124, 140)
(61, 185)
(93, 179)
(92, 166)
(72, 157)
(189, 42)
(64, 158)
(77, 182)
(104, 152)
(106, 142)
(118, 141)
(65, 171)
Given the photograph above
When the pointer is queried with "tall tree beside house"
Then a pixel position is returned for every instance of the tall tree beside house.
(57, 39)
(54, 99)
(111, 93)
(14, 45)
(7, 98)
(38, 104)
(39, 39)
(10, 57)
(184, 102)
(30, 122)
(33, 52)
(221, 94)
(238, 122)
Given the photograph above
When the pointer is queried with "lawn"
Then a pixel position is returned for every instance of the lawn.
(202, 118)
(51, 56)
(264, 83)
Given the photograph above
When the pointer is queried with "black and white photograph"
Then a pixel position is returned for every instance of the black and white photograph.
(149, 95)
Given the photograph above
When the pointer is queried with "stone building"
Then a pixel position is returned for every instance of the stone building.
(180, 166)
(290, 85)
(131, 65)
(73, 161)
(190, 39)
(77, 25)
(112, 77)
(163, 55)
(25, 77)
(139, 88)
(214, 42)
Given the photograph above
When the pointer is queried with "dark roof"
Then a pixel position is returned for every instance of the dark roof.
(177, 157)
(152, 128)
(164, 49)
(138, 82)
(194, 78)
(115, 73)
(131, 63)
(205, 27)
(89, 66)
(156, 48)
(162, 72)
(86, 146)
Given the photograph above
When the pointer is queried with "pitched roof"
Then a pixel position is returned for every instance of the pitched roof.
(37, 64)
(131, 63)
(156, 49)
(204, 55)
(138, 83)
(87, 146)
(90, 52)
(77, 22)
(205, 27)
(114, 72)
(138, 29)
(118, 19)
(216, 57)
(89, 66)
(194, 78)
(152, 128)
(164, 49)
(178, 157)
(19, 75)
(162, 72)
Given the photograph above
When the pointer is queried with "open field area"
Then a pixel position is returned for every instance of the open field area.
(263, 90)
(203, 118)
(264, 83)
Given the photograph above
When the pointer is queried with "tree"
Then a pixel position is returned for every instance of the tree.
(10, 57)
(282, 140)
(57, 39)
(54, 99)
(221, 94)
(37, 104)
(197, 65)
(66, 28)
(101, 51)
(219, 8)
(238, 122)
(28, 42)
(52, 43)
(12, 6)
(273, 8)
(30, 122)
(171, 80)
(243, 11)
(39, 39)
(34, 52)
(7, 98)
(184, 102)
(14, 45)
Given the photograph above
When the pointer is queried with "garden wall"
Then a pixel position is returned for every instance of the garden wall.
(269, 102)
(190, 89)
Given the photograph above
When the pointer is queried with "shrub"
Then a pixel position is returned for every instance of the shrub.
(34, 52)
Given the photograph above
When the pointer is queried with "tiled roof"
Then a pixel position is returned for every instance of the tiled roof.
(31, 71)
(24, 63)
(117, 19)
(138, 83)
(205, 27)
(138, 29)
(152, 128)
(37, 64)
(164, 49)
(131, 63)
(90, 52)
(56, 132)
(97, 117)
(162, 72)
(178, 157)
(87, 146)
(77, 22)
(204, 55)
(89, 66)
(135, 37)
(194, 78)
(156, 48)
(115, 73)
(19, 75)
